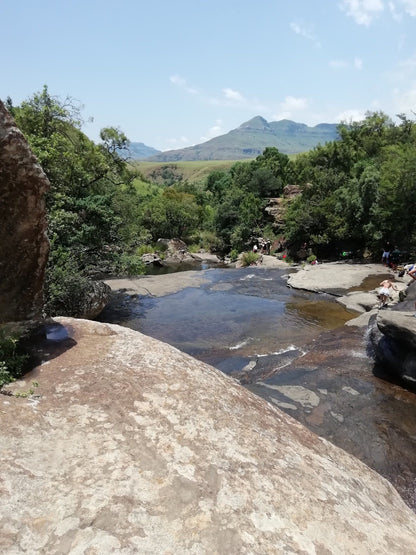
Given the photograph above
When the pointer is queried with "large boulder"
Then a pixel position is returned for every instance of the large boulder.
(24, 246)
(395, 344)
(130, 446)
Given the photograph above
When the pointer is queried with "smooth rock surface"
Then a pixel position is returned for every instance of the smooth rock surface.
(130, 446)
(334, 276)
(24, 246)
(396, 347)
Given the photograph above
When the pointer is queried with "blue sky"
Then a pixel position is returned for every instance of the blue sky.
(176, 73)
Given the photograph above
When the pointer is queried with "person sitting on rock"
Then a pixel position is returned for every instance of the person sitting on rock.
(384, 292)
(412, 271)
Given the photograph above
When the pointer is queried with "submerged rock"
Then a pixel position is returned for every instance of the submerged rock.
(130, 446)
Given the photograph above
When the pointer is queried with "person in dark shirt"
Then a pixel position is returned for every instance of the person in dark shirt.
(395, 258)
(386, 254)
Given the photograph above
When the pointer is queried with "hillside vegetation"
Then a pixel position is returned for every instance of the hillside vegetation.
(170, 173)
(251, 138)
(354, 194)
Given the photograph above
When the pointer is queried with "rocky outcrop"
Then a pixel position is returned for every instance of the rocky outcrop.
(24, 246)
(95, 300)
(394, 344)
(129, 446)
(333, 277)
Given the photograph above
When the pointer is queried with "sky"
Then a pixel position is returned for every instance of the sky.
(172, 74)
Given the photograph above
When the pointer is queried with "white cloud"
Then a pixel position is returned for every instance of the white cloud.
(233, 95)
(404, 73)
(393, 10)
(363, 11)
(182, 84)
(305, 31)
(357, 63)
(179, 142)
(292, 104)
(405, 101)
(350, 115)
(409, 7)
(213, 131)
(290, 108)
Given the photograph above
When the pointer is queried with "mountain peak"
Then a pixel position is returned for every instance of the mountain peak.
(255, 123)
(252, 137)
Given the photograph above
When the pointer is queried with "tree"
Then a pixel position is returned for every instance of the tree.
(84, 210)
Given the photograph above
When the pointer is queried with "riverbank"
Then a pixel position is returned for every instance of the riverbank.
(249, 324)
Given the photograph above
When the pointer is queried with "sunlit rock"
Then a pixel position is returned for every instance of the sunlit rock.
(127, 445)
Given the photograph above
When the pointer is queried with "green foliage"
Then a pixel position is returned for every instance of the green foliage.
(194, 247)
(131, 265)
(170, 215)
(145, 249)
(249, 258)
(12, 361)
(357, 192)
(92, 205)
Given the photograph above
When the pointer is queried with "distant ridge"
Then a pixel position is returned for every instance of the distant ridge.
(138, 151)
(251, 138)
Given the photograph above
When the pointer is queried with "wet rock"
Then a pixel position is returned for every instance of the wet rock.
(151, 258)
(24, 246)
(395, 348)
(359, 301)
(131, 446)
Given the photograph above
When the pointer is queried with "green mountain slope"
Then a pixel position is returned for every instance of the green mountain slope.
(251, 138)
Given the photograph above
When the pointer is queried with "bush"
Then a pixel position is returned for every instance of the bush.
(131, 264)
(233, 255)
(194, 248)
(211, 242)
(145, 249)
(12, 362)
(311, 258)
(249, 258)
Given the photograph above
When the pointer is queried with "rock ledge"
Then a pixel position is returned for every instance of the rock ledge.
(131, 446)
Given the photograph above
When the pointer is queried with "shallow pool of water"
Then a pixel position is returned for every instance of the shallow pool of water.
(237, 316)
(291, 348)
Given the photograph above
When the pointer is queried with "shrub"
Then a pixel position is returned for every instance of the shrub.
(131, 264)
(12, 361)
(193, 248)
(145, 249)
(311, 258)
(233, 254)
(249, 258)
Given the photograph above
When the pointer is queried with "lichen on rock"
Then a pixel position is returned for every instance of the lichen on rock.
(134, 447)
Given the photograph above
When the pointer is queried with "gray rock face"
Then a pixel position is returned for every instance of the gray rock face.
(396, 347)
(95, 300)
(333, 276)
(24, 246)
(133, 447)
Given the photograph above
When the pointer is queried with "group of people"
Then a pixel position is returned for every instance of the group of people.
(391, 258)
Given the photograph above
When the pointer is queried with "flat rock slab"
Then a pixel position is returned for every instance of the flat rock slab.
(130, 446)
(334, 276)
(158, 286)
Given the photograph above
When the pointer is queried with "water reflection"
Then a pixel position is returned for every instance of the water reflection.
(291, 348)
(236, 315)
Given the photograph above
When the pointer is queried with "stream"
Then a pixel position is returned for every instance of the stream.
(292, 348)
